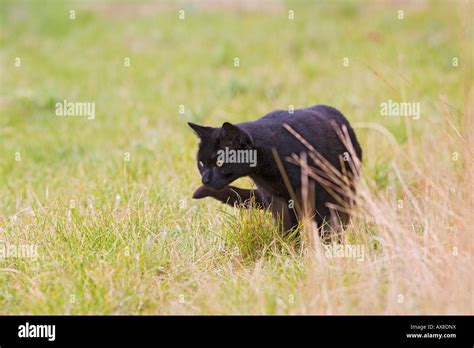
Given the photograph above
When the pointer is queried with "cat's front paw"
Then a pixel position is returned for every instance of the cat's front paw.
(202, 192)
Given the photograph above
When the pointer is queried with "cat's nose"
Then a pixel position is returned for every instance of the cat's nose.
(206, 178)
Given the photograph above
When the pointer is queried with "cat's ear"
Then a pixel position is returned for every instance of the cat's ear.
(200, 131)
(233, 135)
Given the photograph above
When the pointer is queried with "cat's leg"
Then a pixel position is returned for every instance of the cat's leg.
(283, 215)
(331, 223)
(234, 196)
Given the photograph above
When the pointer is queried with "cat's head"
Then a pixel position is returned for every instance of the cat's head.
(225, 154)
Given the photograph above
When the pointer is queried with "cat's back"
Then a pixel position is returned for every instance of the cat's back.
(314, 123)
(312, 120)
(316, 113)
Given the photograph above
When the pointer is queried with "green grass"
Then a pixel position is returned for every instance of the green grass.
(118, 236)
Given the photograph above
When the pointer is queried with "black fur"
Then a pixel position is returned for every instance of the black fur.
(312, 123)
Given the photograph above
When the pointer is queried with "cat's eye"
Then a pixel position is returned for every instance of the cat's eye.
(201, 164)
(219, 163)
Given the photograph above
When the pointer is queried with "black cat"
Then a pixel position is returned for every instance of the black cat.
(315, 124)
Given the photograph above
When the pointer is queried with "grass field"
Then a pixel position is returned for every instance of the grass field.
(106, 202)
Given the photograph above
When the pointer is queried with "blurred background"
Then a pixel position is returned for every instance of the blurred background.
(349, 54)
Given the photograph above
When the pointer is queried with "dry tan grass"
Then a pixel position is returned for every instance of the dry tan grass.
(423, 230)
